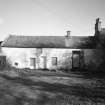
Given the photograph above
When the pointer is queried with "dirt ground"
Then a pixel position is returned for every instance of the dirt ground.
(50, 88)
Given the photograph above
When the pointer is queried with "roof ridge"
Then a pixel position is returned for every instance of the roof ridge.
(38, 35)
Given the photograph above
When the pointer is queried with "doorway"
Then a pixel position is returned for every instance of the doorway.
(75, 59)
(44, 62)
(33, 63)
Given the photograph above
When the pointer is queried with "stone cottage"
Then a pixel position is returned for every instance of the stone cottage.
(54, 52)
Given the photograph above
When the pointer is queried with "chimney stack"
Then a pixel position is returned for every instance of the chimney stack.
(98, 25)
(68, 34)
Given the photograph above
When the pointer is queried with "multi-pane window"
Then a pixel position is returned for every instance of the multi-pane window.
(33, 62)
(54, 61)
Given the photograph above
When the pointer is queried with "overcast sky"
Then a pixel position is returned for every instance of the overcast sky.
(50, 17)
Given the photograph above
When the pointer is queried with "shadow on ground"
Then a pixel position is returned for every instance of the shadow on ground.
(22, 91)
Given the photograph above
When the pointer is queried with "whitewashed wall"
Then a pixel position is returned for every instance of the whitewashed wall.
(22, 57)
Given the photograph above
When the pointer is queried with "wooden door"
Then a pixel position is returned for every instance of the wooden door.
(76, 59)
(33, 63)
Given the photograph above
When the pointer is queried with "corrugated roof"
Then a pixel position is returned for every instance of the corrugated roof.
(48, 42)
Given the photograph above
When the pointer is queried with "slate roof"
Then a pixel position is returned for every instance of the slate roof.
(86, 42)
(48, 42)
(34, 41)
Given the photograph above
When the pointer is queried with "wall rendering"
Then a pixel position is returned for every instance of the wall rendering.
(50, 58)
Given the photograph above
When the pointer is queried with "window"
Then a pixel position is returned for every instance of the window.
(32, 61)
(54, 61)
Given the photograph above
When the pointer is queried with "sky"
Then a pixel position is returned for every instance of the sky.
(50, 17)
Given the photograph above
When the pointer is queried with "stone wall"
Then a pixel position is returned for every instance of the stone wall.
(20, 57)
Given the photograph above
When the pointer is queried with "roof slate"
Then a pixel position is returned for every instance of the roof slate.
(48, 42)
(82, 42)
(34, 41)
